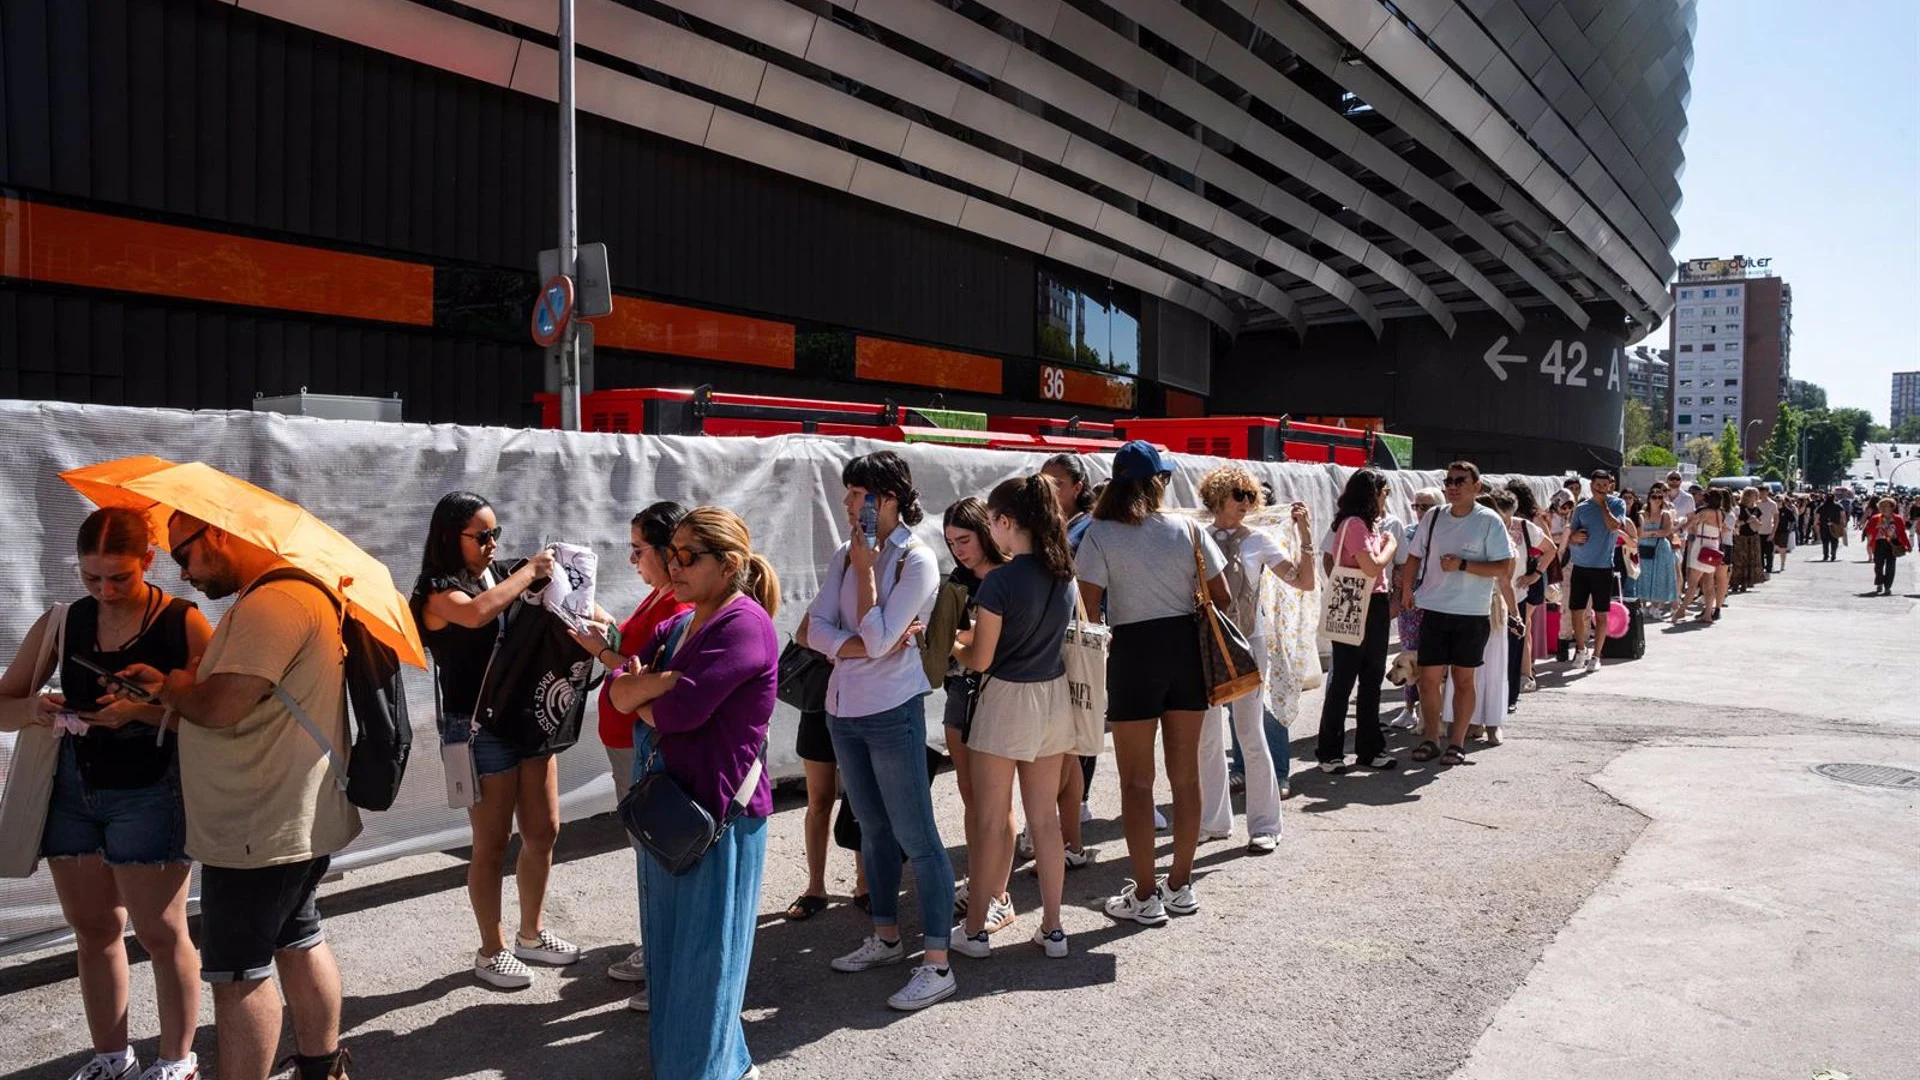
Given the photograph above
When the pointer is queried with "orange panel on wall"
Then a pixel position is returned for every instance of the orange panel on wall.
(77, 247)
(1085, 387)
(651, 326)
(896, 361)
(1185, 405)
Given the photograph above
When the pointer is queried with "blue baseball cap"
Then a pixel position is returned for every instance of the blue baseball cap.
(1138, 460)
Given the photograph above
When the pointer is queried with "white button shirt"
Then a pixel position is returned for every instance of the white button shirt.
(885, 678)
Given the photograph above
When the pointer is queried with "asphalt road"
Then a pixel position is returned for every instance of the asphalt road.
(1645, 880)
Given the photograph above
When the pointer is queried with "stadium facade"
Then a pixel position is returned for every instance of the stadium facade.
(1454, 216)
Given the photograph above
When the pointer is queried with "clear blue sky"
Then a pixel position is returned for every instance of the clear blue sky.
(1803, 143)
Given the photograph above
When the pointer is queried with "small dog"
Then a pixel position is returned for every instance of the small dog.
(1400, 672)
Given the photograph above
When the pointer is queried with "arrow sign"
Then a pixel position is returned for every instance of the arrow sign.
(1495, 358)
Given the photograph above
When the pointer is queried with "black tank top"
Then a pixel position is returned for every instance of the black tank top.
(126, 757)
(459, 652)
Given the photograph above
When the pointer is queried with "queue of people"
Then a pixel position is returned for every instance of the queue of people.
(691, 680)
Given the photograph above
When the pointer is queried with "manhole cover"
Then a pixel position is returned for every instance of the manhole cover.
(1870, 775)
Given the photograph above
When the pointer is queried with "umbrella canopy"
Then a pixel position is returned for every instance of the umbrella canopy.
(158, 488)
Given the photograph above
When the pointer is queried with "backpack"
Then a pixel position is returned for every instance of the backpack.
(383, 735)
(533, 694)
(943, 627)
(1241, 589)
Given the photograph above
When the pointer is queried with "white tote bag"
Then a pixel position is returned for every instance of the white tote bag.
(1085, 654)
(1344, 600)
(36, 755)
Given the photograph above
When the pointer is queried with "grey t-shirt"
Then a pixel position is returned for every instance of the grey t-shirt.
(1146, 569)
(1034, 609)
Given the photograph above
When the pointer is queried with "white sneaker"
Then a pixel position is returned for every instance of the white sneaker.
(1580, 657)
(1334, 768)
(1126, 905)
(1078, 859)
(1179, 901)
(1263, 844)
(1529, 685)
(873, 952)
(1023, 844)
(104, 1068)
(979, 946)
(502, 969)
(1209, 837)
(640, 1001)
(186, 1069)
(1159, 820)
(1055, 942)
(999, 913)
(960, 901)
(632, 969)
(547, 949)
(926, 986)
(1593, 663)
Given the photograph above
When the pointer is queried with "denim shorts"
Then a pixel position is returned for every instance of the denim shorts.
(492, 755)
(144, 826)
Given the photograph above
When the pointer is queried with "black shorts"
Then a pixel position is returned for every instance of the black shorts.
(1453, 640)
(1589, 583)
(248, 915)
(813, 743)
(1154, 668)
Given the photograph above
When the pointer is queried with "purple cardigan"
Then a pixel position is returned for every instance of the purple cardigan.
(711, 725)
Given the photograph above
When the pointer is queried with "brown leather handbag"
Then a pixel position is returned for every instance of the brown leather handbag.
(1225, 657)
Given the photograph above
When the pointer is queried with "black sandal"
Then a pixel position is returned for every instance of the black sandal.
(806, 907)
(1455, 755)
(1426, 751)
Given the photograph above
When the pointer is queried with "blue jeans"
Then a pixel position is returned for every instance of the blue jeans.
(883, 765)
(145, 826)
(1276, 742)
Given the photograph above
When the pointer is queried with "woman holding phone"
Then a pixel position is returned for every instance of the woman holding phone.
(116, 827)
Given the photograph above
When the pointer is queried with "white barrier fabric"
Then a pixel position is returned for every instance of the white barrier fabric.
(377, 483)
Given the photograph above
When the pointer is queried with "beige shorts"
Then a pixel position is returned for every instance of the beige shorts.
(1029, 721)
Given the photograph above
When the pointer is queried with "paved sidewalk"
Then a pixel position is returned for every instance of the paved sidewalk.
(1646, 880)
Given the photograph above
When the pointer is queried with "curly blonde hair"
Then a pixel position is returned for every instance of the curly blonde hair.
(1217, 485)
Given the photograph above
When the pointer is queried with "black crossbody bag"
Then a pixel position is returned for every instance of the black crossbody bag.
(665, 819)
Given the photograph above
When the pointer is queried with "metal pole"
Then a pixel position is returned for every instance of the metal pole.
(569, 225)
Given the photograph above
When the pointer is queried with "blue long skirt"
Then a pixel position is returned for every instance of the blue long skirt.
(1658, 582)
(699, 945)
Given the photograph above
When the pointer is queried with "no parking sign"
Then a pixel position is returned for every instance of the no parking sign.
(552, 310)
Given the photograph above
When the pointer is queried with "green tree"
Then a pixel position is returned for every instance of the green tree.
(1636, 427)
(1652, 454)
(1857, 423)
(1908, 431)
(1830, 450)
(1704, 453)
(1733, 460)
(1782, 447)
(1806, 396)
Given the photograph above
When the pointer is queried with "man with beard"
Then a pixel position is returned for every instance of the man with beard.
(265, 814)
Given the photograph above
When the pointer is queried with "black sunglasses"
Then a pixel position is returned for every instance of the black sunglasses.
(180, 549)
(484, 536)
(1456, 481)
(686, 557)
(1243, 495)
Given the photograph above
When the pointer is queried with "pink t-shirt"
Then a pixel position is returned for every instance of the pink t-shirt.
(1354, 537)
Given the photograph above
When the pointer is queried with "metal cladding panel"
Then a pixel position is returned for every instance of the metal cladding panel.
(815, 103)
(838, 49)
(951, 157)
(964, 40)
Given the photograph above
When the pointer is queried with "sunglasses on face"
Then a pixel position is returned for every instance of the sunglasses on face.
(1456, 481)
(180, 549)
(484, 536)
(1243, 495)
(686, 557)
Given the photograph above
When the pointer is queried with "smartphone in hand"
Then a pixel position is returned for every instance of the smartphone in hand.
(870, 518)
(126, 687)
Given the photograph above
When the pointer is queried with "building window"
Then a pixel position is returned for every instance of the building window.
(1088, 322)
(1731, 346)
(1732, 382)
(1686, 382)
(1685, 419)
(1686, 348)
(1730, 399)
(1706, 294)
(1709, 311)
(1686, 401)
(1733, 309)
(1685, 311)
(1708, 347)
(1686, 294)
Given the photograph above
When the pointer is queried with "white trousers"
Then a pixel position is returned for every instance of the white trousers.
(1263, 787)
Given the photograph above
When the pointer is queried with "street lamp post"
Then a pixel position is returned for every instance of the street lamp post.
(1746, 444)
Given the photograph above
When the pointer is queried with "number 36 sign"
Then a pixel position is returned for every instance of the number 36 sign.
(1565, 362)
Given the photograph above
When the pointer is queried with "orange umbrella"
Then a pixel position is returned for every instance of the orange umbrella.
(158, 487)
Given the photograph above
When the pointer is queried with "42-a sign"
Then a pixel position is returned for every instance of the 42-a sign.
(1567, 363)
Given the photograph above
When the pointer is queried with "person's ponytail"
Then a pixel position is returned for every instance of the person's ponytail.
(1030, 503)
(760, 582)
